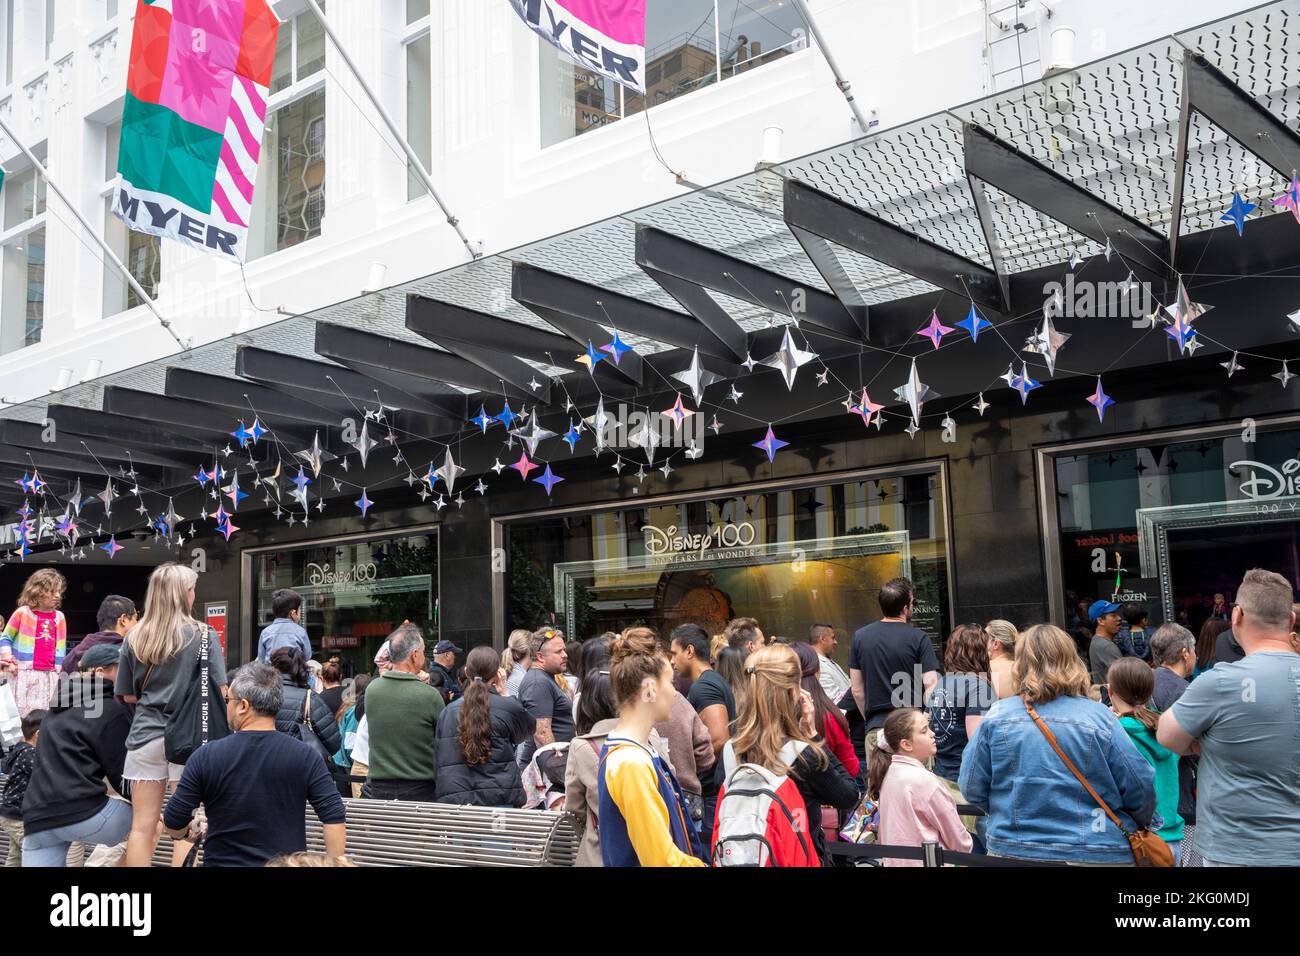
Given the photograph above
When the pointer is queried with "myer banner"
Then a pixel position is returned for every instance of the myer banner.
(604, 36)
(192, 124)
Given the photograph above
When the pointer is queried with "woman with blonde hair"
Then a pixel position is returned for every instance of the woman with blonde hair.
(1002, 655)
(159, 665)
(1037, 808)
(35, 640)
(517, 659)
(776, 729)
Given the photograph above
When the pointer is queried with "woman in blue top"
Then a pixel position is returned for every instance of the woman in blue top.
(1037, 809)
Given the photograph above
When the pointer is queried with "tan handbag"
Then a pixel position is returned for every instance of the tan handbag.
(1148, 848)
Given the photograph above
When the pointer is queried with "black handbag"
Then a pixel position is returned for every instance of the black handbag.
(200, 714)
(307, 731)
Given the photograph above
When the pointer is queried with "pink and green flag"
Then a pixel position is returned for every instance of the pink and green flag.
(196, 92)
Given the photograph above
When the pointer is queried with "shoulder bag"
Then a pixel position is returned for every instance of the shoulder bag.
(1148, 848)
(200, 714)
(307, 731)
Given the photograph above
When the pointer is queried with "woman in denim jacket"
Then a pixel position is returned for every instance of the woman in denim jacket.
(1037, 809)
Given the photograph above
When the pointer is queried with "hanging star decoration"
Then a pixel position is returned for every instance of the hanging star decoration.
(1009, 376)
(696, 377)
(1290, 198)
(735, 395)
(590, 358)
(1047, 342)
(823, 377)
(242, 435)
(1024, 384)
(301, 481)
(770, 444)
(911, 430)
(599, 423)
(1294, 319)
(1100, 401)
(524, 466)
(481, 488)
(111, 547)
(666, 469)
(483, 420)
(506, 416)
(1285, 375)
(313, 455)
(548, 479)
(364, 503)
(202, 477)
(1232, 365)
(974, 323)
(75, 499)
(1075, 258)
(36, 485)
(228, 527)
(936, 330)
(788, 359)
(647, 439)
(693, 451)
(233, 491)
(715, 426)
(498, 467)
(678, 413)
(866, 408)
(980, 405)
(364, 444)
(915, 393)
(107, 496)
(572, 436)
(1237, 212)
(535, 435)
(449, 472)
(616, 349)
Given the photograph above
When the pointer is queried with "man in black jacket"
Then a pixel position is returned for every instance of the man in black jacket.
(83, 741)
(441, 675)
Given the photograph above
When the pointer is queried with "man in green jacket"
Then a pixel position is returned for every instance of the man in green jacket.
(402, 713)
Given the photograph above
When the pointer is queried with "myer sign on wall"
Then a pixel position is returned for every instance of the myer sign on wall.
(604, 36)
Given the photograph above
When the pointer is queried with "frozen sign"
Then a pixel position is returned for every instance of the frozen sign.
(604, 36)
(1264, 481)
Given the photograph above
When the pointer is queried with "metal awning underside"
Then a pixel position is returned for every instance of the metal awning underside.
(958, 203)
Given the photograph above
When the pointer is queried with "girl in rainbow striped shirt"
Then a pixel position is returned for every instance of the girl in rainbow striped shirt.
(36, 640)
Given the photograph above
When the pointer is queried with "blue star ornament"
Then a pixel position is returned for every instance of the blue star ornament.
(590, 358)
(573, 436)
(974, 323)
(111, 547)
(548, 479)
(202, 477)
(770, 444)
(1238, 211)
(506, 416)
(483, 420)
(1182, 333)
(242, 435)
(364, 503)
(616, 349)
(1024, 384)
(1100, 401)
(257, 431)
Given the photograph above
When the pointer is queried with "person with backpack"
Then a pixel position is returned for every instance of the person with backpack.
(916, 806)
(160, 672)
(597, 717)
(303, 712)
(17, 766)
(644, 820)
(777, 772)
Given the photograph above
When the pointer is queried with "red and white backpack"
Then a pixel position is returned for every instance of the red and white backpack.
(761, 818)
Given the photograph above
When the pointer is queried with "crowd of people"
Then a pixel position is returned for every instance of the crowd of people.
(677, 749)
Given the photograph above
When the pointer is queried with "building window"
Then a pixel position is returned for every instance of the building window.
(299, 51)
(289, 198)
(354, 593)
(690, 44)
(140, 253)
(418, 49)
(22, 301)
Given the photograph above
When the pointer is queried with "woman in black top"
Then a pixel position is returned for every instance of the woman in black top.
(331, 676)
(477, 735)
(293, 674)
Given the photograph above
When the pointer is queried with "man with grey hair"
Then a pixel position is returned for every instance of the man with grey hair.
(1173, 652)
(253, 784)
(1243, 718)
(401, 716)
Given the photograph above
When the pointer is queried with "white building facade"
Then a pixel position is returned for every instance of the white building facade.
(521, 143)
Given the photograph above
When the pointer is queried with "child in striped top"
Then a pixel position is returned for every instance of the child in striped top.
(36, 639)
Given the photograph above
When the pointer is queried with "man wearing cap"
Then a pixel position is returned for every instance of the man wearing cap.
(1103, 651)
(442, 677)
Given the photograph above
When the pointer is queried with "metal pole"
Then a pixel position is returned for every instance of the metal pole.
(842, 83)
(392, 128)
(717, 43)
(112, 256)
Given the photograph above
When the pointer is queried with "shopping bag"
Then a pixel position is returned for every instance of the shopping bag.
(11, 725)
(862, 823)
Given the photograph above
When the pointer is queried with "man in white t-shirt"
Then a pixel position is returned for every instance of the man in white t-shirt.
(834, 681)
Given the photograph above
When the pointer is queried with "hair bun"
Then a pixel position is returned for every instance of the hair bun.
(633, 642)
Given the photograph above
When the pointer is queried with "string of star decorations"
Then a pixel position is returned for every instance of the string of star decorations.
(286, 478)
